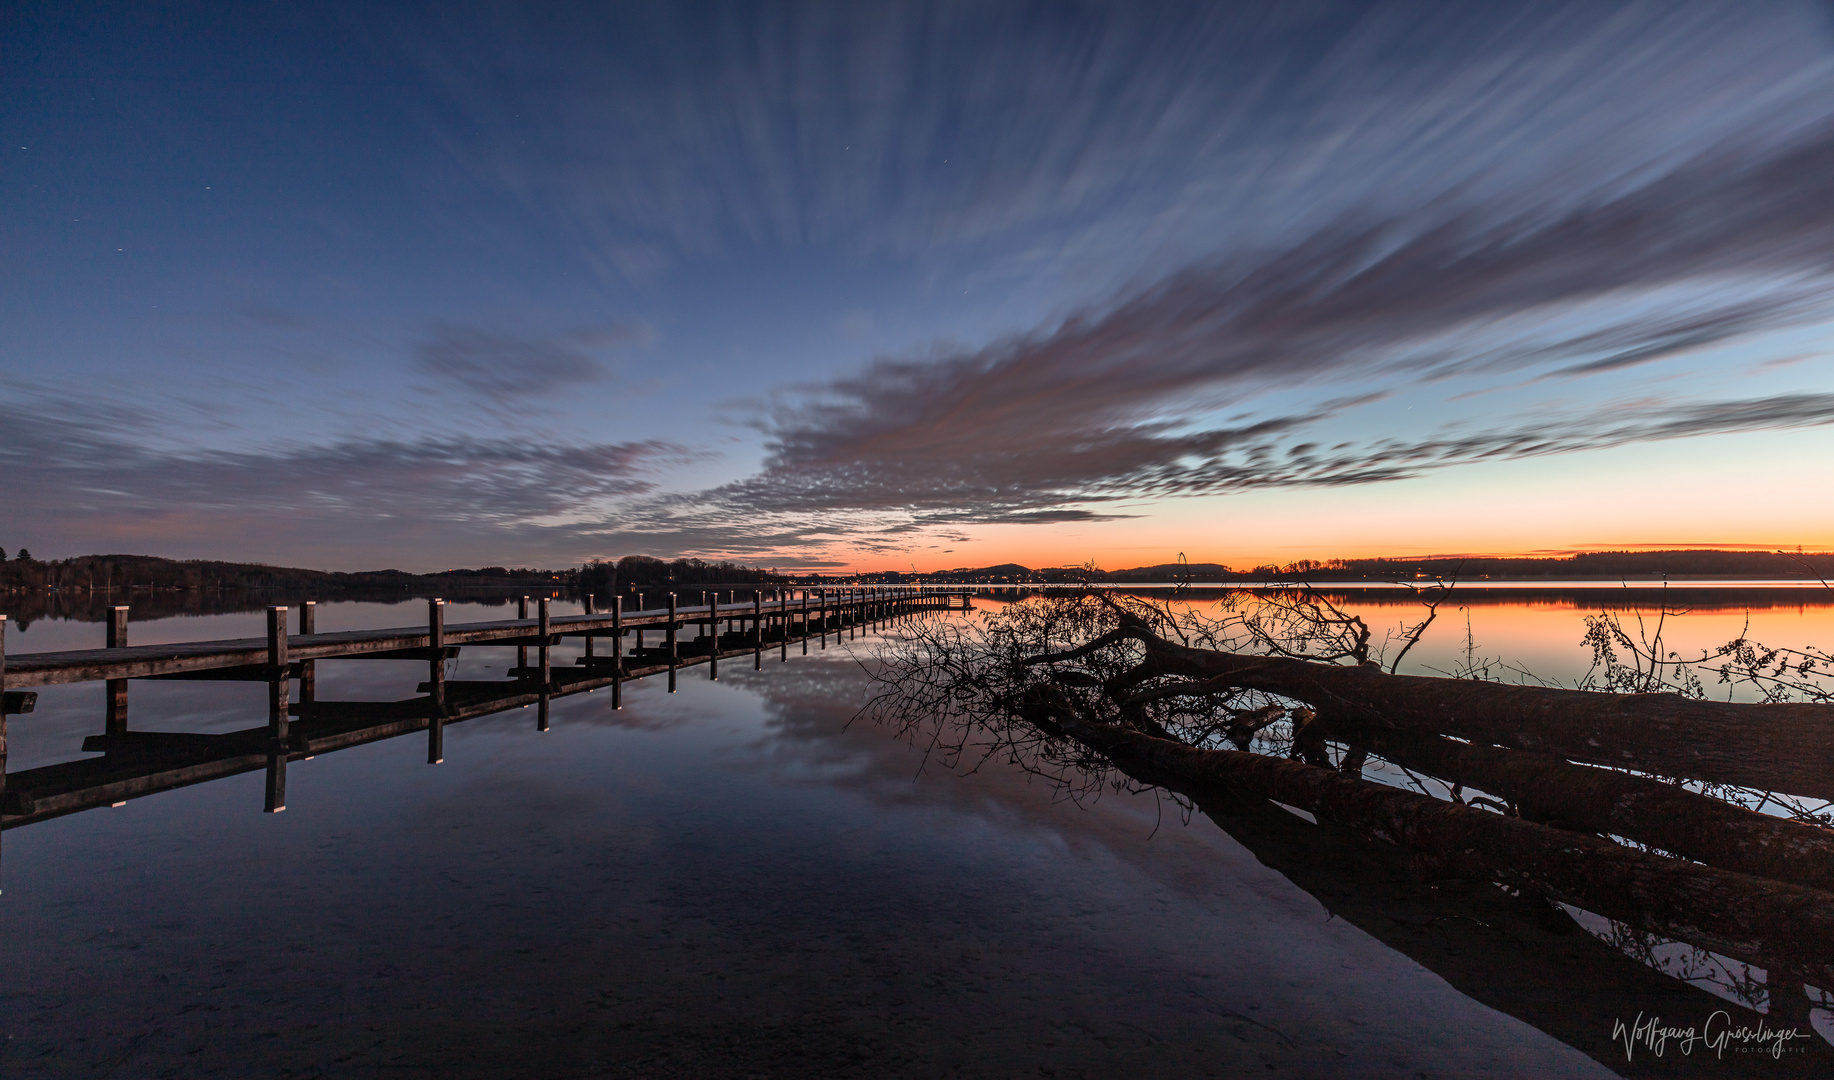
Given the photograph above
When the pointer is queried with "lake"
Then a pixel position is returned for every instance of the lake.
(730, 880)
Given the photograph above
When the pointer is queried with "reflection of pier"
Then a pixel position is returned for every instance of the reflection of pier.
(142, 763)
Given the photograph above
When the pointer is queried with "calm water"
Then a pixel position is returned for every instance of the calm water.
(727, 881)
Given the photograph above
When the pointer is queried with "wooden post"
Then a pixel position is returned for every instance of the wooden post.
(589, 611)
(2, 709)
(671, 643)
(436, 647)
(275, 796)
(805, 622)
(277, 672)
(436, 681)
(522, 651)
(541, 713)
(117, 688)
(783, 628)
(617, 652)
(757, 629)
(2, 704)
(544, 627)
(713, 627)
(821, 614)
(308, 669)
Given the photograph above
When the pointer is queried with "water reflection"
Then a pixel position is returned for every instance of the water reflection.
(726, 881)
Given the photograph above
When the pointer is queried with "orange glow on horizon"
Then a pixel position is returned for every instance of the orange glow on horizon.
(1044, 558)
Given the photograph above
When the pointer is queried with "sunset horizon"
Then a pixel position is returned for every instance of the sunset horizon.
(899, 539)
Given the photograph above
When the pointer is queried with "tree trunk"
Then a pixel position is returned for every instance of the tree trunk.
(1750, 918)
(1786, 748)
(1555, 792)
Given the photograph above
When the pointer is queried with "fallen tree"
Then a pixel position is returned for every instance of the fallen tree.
(1552, 790)
(1063, 686)
(1750, 918)
(1786, 747)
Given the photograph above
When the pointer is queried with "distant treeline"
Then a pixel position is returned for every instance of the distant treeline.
(124, 575)
(606, 578)
(129, 573)
(120, 576)
(1597, 564)
(1589, 565)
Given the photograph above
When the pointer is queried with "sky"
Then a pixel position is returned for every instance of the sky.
(914, 286)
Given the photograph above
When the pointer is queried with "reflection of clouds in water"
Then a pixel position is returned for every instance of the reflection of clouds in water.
(724, 867)
(810, 738)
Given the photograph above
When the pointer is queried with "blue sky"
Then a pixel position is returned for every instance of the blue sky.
(914, 284)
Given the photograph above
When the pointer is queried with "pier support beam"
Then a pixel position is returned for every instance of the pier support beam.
(617, 652)
(117, 688)
(545, 627)
(588, 605)
(436, 681)
(308, 669)
(275, 797)
(2, 717)
(713, 627)
(522, 651)
(673, 657)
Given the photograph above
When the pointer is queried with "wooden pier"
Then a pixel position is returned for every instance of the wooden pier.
(249, 657)
(143, 763)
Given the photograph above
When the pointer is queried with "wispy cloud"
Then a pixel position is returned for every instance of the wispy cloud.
(425, 499)
(835, 517)
(1113, 403)
(1256, 228)
(496, 366)
(920, 127)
